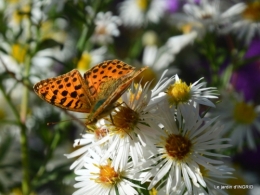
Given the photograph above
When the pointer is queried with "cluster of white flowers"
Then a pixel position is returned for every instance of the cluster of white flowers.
(163, 138)
(241, 119)
(154, 136)
(195, 20)
(207, 15)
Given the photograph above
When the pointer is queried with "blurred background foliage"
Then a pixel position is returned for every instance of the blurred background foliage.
(44, 38)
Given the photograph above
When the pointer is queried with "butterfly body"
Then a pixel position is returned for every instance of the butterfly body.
(95, 93)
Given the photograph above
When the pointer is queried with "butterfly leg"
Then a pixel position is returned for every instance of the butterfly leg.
(117, 105)
(111, 118)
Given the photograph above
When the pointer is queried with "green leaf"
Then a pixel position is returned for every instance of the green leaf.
(227, 75)
(5, 146)
(136, 48)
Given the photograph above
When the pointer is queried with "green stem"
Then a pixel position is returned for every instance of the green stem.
(25, 162)
(26, 188)
(83, 39)
(21, 119)
(210, 52)
(25, 181)
(88, 29)
(26, 184)
(42, 169)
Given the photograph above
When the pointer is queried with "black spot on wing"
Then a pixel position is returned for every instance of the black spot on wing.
(73, 94)
(69, 104)
(56, 91)
(77, 87)
(64, 93)
(63, 100)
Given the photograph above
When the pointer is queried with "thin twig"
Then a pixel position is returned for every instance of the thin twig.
(74, 117)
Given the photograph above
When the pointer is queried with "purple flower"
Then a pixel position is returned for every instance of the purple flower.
(246, 80)
(173, 5)
(254, 49)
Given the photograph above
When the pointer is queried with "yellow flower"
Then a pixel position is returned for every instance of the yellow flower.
(179, 92)
(252, 12)
(84, 62)
(244, 113)
(21, 14)
(18, 52)
(143, 4)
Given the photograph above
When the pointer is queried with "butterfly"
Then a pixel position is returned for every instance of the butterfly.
(95, 93)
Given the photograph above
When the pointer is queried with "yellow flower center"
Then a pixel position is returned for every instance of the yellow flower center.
(153, 191)
(21, 14)
(244, 113)
(177, 146)
(19, 52)
(143, 4)
(125, 119)
(240, 180)
(101, 30)
(178, 92)
(206, 16)
(49, 30)
(107, 175)
(204, 172)
(85, 61)
(17, 191)
(252, 12)
(186, 28)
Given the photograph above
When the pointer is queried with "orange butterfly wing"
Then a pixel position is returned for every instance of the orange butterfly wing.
(107, 82)
(96, 93)
(68, 91)
(104, 72)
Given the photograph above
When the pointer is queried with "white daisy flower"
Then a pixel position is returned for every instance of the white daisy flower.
(181, 95)
(101, 177)
(157, 58)
(218, 177)
(200, 17)
(176, 43)
(106, 28)
(128, 132)
(243, 19)
(135, 13)
(214, 181)
(185, 145)
(241, 120)
(132, 126)
(206, 12)
(18, 14)
(84, 143)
